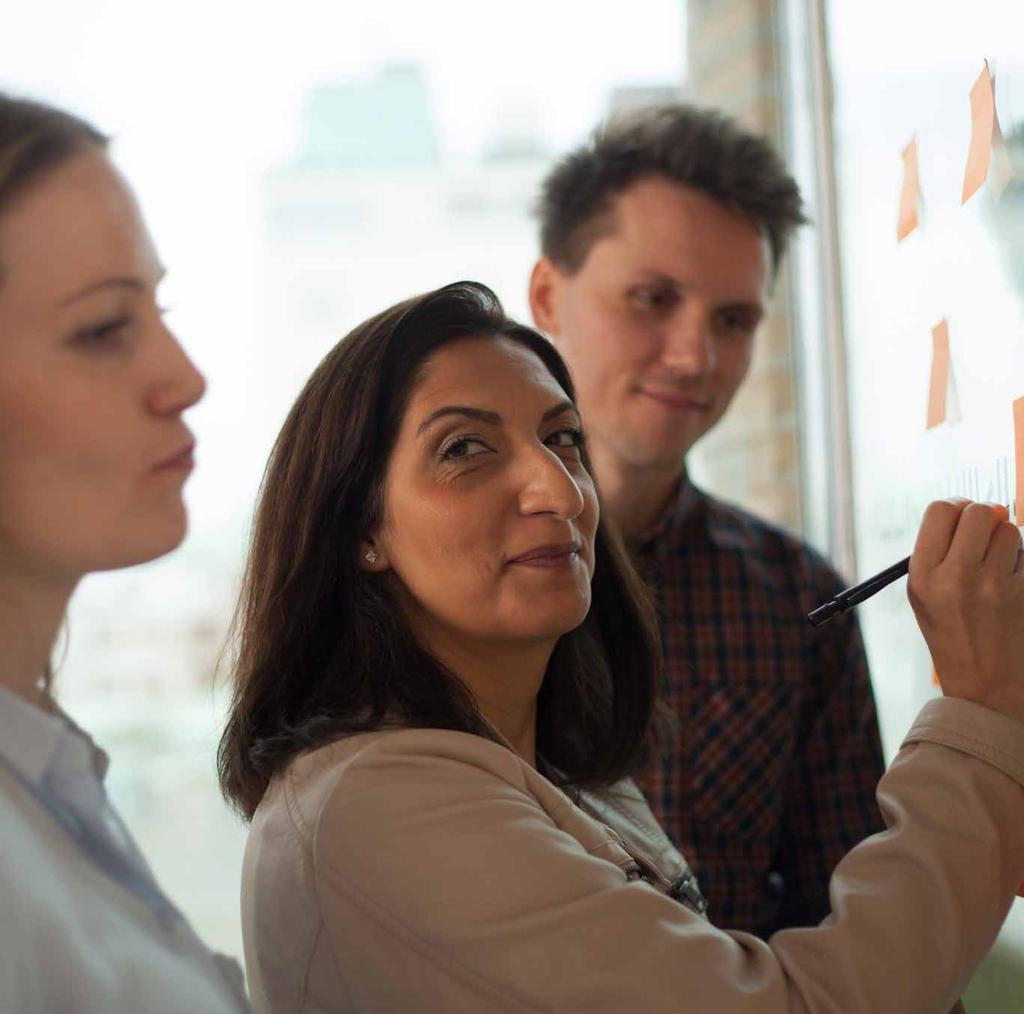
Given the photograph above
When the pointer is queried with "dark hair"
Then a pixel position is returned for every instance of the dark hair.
(36, 138)
(695, 147)
(322, 649)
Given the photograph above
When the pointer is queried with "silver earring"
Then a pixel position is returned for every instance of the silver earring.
(371, 556)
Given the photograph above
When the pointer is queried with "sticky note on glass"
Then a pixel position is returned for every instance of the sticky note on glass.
(938, 387)
(910, 193)
(1018, 457)
(986, 139)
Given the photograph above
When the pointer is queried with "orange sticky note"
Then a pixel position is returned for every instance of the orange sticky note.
(1018, 457)
(910, 193)
(939, 385)
(983, 120)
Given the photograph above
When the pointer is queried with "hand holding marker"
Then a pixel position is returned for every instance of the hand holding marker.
(845, 600)
(850, 597)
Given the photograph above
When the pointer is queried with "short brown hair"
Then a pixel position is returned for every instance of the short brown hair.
(689, 145)
(322, 647)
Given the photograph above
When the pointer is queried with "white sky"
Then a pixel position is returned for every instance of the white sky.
(204, 67)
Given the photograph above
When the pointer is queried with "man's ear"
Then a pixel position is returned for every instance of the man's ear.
(544, 296)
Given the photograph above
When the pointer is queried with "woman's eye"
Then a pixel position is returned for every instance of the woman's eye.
(463, 447)
(109, 332)
(566, 438)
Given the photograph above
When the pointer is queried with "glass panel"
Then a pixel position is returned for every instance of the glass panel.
(904, 72)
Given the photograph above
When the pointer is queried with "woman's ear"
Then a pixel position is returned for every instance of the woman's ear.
(372, 556)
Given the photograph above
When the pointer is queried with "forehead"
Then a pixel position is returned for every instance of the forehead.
(80, 222)
(485, 372)
(659, 225)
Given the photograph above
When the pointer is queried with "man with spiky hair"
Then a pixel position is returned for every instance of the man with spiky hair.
(661, 238)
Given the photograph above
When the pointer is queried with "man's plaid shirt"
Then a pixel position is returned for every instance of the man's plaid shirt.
(771, 778)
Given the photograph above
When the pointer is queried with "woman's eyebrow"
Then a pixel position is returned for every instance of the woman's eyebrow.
(115, 282)
(562, 406)
(483, 415)
(471, 413)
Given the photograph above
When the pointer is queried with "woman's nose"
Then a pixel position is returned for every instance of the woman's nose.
(178, 385)
(548, 487)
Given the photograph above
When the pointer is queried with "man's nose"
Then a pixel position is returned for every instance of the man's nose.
(689, 346)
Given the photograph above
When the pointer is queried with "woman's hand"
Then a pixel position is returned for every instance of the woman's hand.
(967, 590)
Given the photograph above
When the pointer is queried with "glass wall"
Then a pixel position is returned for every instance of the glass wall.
(919, 272)
(301, 167)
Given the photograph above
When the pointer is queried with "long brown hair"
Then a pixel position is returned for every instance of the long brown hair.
(322, 648)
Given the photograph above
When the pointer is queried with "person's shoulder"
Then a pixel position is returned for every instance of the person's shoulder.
(405, 766)
(391, 751)
(399, 801)
(13, 819)
(30, 846)
(21, 816)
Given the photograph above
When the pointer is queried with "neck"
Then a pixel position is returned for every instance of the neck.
(633, 496)
(31, 611)
(504, 680)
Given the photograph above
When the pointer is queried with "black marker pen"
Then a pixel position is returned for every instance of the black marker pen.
(846, 600)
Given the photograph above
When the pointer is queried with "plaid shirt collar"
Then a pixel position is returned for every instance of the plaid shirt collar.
(682, 508)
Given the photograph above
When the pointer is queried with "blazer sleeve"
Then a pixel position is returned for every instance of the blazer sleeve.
(444, 886)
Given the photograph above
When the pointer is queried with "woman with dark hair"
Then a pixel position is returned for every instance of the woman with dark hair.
(447, 673)
(93, 457)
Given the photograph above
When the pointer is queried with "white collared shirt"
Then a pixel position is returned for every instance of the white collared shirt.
(84, 926)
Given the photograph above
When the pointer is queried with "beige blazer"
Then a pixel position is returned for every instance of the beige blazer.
(425, 871)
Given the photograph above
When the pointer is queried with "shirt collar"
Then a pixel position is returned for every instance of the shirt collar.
(36, 742)
(679, 509)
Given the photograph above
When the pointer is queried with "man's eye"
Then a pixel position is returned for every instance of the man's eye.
(461, 448)
(652, 300)
(737, 322)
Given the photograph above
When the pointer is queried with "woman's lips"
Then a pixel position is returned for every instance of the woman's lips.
(562, 555)
(183, 461)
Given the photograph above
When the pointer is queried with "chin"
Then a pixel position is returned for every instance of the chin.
(555, 623)
(654, 450)
(145, 543)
